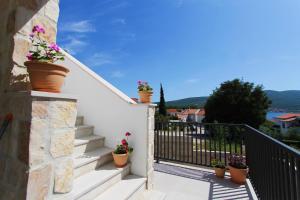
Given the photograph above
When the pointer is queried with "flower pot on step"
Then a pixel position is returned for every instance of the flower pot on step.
(220, 172)
(238, 176)
(120, 160)
(46, 77)
(145, 97)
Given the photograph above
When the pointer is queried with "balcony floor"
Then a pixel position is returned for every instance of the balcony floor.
(180, 182)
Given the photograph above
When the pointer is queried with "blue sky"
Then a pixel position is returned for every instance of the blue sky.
(190, 46)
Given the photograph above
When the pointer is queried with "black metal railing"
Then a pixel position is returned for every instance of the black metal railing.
(273, 166)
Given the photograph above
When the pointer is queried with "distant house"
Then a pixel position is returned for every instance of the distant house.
(288, 120)
(194, 115)
(173, 111)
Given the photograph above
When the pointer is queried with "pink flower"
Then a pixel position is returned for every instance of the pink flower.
(127, 134)
(54, 47)
(29, 56)
(124, 142)
(38, 29)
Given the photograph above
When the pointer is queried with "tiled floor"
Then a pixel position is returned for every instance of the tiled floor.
(180, 183)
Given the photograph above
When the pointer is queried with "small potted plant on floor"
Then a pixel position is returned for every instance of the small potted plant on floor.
(219, 168)
(122, 151)
(145, 92)
(238, 169)
(43, 73)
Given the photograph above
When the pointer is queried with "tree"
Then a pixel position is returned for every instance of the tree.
(162, 103)
(237, 102)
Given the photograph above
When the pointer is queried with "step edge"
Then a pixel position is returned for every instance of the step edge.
(92, 187)
(91, 159)
(86, 141)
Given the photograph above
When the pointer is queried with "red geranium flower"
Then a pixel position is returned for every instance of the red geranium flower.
(127, 134)
(124, 142)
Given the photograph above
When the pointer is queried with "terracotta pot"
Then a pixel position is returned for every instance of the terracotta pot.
(220, 172)
(120, 159)
(238, 175)
(145, 97)
(46, 77)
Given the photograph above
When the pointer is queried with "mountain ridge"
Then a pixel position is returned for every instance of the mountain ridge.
(287, 101)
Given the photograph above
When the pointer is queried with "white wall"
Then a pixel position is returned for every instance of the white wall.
(110, 111)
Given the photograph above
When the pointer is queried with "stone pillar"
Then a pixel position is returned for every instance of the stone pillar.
(36, 150)
(27, 166)
(150, 169)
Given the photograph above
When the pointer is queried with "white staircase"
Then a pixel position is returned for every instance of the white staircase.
(96, 177)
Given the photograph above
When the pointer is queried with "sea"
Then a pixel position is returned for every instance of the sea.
(272, 115)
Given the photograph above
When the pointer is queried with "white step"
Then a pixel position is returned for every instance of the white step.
(92, 160)
(79, 121)
(84, 130)
(130, 188)
(87, 143)
(92, 184)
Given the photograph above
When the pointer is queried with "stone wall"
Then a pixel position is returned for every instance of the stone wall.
(35, 153)
(26, 163)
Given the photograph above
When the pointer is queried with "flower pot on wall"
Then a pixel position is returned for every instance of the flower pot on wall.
(46, 77)
(238, 175)
(145, 97)
(220, 172)
(120, 159)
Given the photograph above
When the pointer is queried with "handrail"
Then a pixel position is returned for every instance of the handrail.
(8, 118)
(281, 144)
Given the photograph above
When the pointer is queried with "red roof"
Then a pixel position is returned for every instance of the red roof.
(288, 116)
(172, 110)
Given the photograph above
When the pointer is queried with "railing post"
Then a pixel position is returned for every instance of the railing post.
(157, 141)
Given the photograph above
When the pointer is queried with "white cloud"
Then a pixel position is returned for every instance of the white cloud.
(117, 74)
(192, 80)
(99, 59)
(119, 21)
(73, 44)
(82, 26)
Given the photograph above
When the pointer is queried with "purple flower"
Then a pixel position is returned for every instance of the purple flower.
(31, 35)
(139, 82)
(54, 47)
(29, 56)
(38, 29)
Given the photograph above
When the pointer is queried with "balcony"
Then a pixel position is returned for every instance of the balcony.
(273, 166)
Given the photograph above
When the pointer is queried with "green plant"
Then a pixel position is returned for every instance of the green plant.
(144, 87)
(124, 147)
(218, 164)
(237, 102)
(41, 50)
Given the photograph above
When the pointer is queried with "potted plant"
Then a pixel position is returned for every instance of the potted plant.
(44, 75)
(219, 168)
(145, 92)
(122, 151)
(238, 169)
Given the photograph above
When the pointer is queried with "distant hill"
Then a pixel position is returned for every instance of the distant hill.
(288, 101)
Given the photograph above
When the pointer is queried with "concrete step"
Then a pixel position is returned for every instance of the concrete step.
(91, 185)
(92, 160)
(131, 187)
(79, 121)
(84, 130)
(87, 143)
